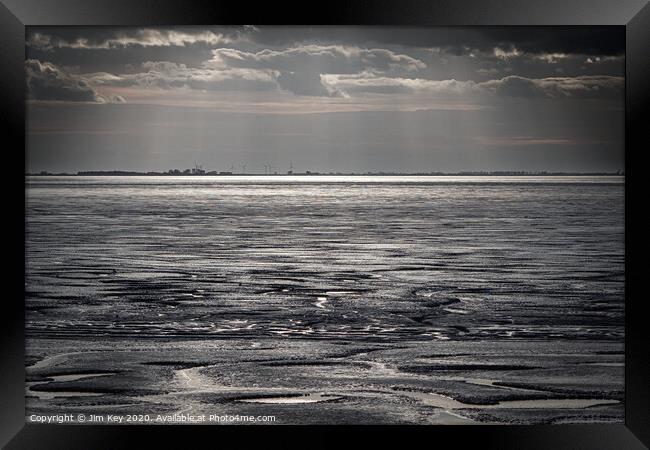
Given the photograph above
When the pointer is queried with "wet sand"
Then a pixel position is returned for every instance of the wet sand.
(303, 381)
(326, 303)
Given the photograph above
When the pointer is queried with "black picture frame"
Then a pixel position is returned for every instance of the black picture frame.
(15, 15)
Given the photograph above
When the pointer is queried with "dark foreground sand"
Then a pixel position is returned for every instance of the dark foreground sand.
(318, 382)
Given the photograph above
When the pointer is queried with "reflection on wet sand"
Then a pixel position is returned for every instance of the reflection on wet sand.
(347, 302)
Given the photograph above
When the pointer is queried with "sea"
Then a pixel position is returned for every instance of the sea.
(327, 299)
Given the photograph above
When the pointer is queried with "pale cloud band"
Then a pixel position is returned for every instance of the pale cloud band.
(552, 87)
(46, 81)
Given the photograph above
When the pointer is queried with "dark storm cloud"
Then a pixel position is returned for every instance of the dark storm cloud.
(305, 83)
(94, 39)
(45, 81)
(590, 41)
(300, 54)
(109, 49)
(48, 82)
(585, 40)
(581, 40)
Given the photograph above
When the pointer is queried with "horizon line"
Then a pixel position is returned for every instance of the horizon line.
(309, 173)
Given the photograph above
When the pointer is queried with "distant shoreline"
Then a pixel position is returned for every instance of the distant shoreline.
(223, 174)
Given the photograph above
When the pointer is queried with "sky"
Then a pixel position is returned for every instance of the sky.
(325, 99)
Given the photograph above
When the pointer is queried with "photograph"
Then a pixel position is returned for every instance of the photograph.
(325, 225)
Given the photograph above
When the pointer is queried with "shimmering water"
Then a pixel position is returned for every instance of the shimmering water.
(401, 257)
(354, 260)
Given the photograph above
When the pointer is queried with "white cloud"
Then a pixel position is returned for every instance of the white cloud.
(168, 75)
(337, 58)
(515, 86)
(300, 67)
(368, 82)
(267, 71)
(507, 54)
(551, 58)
